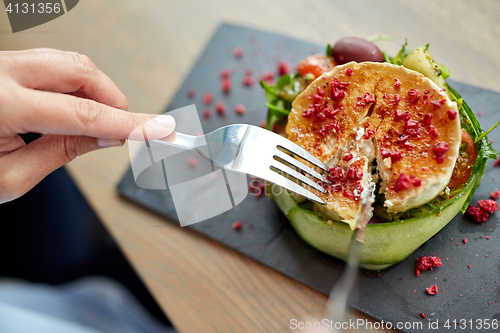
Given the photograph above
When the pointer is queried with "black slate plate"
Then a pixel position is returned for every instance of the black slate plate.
(267, 236)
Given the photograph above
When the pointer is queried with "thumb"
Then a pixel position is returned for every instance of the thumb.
(22, 169)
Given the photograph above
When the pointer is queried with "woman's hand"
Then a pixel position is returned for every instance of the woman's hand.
(64, 95)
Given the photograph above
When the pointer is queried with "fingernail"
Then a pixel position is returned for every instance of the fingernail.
(104, 143)
(165, 120)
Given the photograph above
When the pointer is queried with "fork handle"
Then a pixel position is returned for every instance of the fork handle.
(181, 140)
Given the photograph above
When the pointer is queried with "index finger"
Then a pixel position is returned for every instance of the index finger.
(46, 112)
(64, 72)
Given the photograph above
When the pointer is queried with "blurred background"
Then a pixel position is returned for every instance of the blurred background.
(74, 224)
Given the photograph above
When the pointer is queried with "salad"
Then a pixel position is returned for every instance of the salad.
(396, 137)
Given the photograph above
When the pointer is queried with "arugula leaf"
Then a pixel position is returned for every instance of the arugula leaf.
(387, 57)
(328, 50)
(445, 72)
(402, 54)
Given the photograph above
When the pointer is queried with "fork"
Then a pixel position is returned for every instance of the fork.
(257, 152)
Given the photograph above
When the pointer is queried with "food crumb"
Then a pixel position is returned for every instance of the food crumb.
(192, 162)
(207, 98)
(432, 290)
(226, 85)
(237, 225)
(238, 52)
(423, 315)
(495, 194)
(283, 68)
(329, 222)
(477, 214)
(488, 205)
(247, 80)
(191, 93)
(221, 108)
(425, 263)
(207, 113)
(240, 109)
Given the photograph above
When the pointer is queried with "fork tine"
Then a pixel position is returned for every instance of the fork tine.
(285, 158)
(281, 181)
(296, 150)
(297, 175)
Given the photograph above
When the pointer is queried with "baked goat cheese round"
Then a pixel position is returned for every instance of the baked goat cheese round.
(362, 117)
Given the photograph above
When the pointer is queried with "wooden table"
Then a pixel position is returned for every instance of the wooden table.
(147, 47)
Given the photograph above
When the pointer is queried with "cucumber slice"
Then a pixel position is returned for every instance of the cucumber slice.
(284, 199)
(420, 60)
(385, 243)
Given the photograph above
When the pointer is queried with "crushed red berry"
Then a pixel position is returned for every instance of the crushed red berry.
(238, 52)
(354, 174)
(416, 182)
(414, 95)
(433, 132)
(488, 205)
(452, 114)
(423, 315)
(283, 68)
(424, 263)
(402, 183)
(347, 157)
(440, 150)
(247, 80)
(224, 74)
(495, 194)
(226, 85)
(240, 109)
(191, 93)
(237, 225)
(207, 98)
(221, 108)
(397, 83)
(207, 113)
(348, 71)
(477, 214)
(394, 155)
(465, 240)
(369, 98)
(497, 162)
(192, 162)
(428, 119)
(268, 77)
(432, 290)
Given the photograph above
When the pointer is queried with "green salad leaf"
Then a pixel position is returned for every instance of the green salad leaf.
(402, 54)
(328, 50)
(484, 149)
